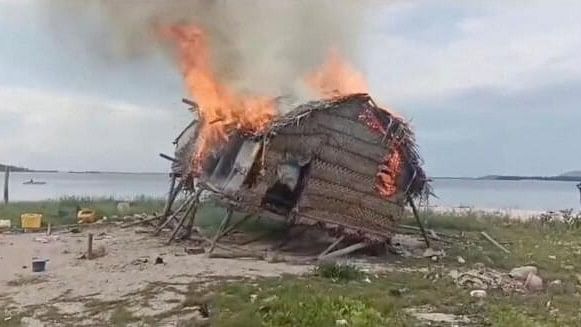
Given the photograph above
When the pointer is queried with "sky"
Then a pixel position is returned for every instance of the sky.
(490, 87)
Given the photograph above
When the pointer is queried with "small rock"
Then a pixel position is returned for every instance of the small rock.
(552, 257)
(158, 260)
(578, 276)
(367, 280)
(429, 252)
(569, 267)
(123, 207)
(478, 293)
(399, 291)
(534, 282)
(140, 260)
(341, 322)
(521, 273)
(454, 274)
(461, 260)
(479, 266)
(556, 282)
(253, 298)
(435, 258)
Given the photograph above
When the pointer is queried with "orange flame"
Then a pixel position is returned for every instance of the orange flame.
(389, 173)
(336, 77)
(222, 110)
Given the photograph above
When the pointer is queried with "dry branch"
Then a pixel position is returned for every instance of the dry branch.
(494, 242)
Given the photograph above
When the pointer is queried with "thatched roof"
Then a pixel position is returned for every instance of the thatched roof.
(397, 131)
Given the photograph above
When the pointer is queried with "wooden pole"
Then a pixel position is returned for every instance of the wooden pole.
(223, 225)
(6, 179)
(419, 221)
(494, 242)
(90, 246)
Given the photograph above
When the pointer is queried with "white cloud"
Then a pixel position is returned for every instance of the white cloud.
(43, 130)
(509, 45)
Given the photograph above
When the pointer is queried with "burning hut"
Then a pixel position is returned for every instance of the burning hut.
(344, 164)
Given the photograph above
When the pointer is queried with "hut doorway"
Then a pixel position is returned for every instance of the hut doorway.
(284, 194)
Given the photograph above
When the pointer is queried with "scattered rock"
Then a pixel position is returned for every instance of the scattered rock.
(461, 260)
(341, 322)
(141, 231)
(140, 260)
(159, 261)
(522, 273)
(399, 291)
(435, 258)
(534, 282)
(123, 207)
(253, 298)
(568, 267)
(552, 257)
(556, 282)
(478, 293)
(429, 253)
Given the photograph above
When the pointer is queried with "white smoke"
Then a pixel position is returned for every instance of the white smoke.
(258, 46)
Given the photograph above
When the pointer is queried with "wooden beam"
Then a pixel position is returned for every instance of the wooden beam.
(345, 251)
(332, 246)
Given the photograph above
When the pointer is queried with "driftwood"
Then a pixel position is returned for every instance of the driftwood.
(494, 242)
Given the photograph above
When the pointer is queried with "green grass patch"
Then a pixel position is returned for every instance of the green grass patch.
(64, 211)
(338, 272)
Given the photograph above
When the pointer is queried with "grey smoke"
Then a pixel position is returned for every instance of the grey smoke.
(258, 46)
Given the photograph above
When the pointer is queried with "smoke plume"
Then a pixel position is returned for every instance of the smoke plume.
(258, 46)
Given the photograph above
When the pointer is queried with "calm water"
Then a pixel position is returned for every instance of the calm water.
(537, 195)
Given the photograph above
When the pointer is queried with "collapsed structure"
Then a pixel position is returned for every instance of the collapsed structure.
(344, 164)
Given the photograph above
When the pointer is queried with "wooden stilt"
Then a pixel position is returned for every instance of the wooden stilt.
(223, 225)
(418, 220)
(184, 205)
(170, 195)
(192, 219)
(345, 251)
(236, 225)
(332, 246)
(192, 208)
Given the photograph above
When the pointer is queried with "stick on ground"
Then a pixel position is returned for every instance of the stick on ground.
(494, 242)
(345, 251)
(223, 225)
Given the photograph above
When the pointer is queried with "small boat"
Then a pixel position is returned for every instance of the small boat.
(33, 182)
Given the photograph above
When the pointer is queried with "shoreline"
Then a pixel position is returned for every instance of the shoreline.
(517, 214)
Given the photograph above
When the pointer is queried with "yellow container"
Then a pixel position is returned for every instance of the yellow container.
(87, 216)
(31, 220)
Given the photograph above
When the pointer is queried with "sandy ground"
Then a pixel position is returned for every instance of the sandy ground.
(70, 283)
(89, 292)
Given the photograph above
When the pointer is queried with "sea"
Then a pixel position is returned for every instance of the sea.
(472, 193)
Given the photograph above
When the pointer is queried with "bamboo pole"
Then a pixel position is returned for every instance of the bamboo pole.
(223, 225)
(6, 179)
(332, 246)
(494, 242)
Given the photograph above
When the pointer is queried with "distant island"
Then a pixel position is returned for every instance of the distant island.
(571, 176)
(16, 169)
